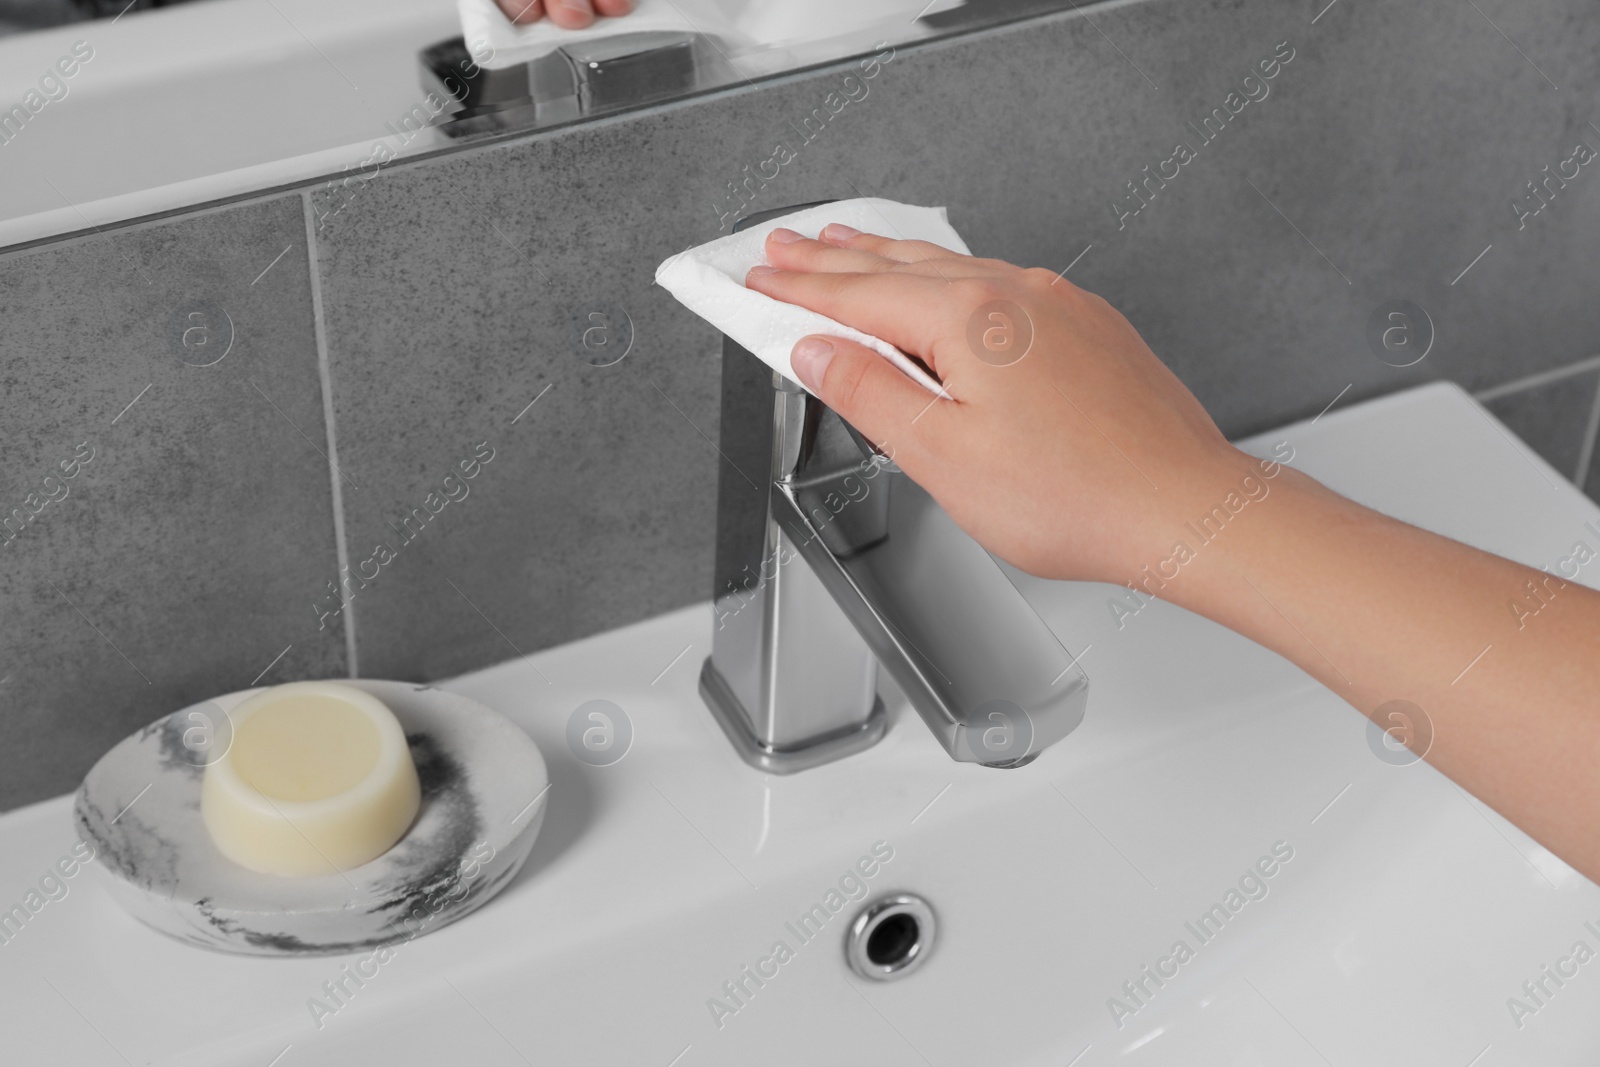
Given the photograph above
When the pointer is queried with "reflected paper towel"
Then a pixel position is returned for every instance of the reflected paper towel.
(709, 280)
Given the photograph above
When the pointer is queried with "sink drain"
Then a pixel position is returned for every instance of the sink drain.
(890, 938)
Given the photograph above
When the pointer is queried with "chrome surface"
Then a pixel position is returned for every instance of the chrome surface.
(789, 678)
(891, 937)
(830, 561)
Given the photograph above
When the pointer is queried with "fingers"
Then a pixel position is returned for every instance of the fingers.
(521, 12)
(865, 389)
(909, 311)
(793, 251)
(789, 250)
(571, 14)
(900, 251)
(568, 14)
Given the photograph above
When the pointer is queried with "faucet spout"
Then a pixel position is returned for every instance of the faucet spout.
(831, 561)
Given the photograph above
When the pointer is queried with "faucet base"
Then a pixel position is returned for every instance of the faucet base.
(728, 712)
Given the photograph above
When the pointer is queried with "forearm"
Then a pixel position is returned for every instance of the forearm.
(1085, 458)
(1379, 611)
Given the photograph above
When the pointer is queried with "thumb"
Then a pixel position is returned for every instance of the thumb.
(865, 389)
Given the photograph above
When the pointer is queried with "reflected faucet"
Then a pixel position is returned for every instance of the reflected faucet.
(581, 79)
(830, 561)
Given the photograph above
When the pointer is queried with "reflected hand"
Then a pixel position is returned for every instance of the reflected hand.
(568, 14)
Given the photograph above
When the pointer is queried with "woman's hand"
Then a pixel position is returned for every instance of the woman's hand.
(568, 14)
(1065, 446)
(1086, 458)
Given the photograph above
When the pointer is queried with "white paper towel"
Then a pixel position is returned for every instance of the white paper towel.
(709, 280)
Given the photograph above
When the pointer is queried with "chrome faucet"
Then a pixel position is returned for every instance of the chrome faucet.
(830, 561)
(581, 79)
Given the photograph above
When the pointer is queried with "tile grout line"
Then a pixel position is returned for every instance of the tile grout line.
(1586, 449)
(1533, 381)
(319, 329)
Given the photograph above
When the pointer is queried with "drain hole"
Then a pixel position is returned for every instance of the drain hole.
(893, 941)
(890, 938)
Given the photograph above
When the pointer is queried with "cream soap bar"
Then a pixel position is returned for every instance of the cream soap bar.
(318, 779)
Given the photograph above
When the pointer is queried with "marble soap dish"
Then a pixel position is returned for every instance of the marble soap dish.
(484, 788)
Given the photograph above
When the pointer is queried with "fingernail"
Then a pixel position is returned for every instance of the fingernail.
(786, 237)
(810, 360)
(760, 270)
(838, 231)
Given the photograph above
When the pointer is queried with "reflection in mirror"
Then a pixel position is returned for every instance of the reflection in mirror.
(114, 110)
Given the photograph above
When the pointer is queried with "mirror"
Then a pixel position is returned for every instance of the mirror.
(117, 109)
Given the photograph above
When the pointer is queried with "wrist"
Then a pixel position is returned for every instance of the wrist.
(1240, 521)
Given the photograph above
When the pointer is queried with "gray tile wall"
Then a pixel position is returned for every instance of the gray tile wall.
(500, 485)
(175, 563)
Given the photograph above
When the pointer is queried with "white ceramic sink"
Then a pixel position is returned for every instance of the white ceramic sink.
(1405, 919)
